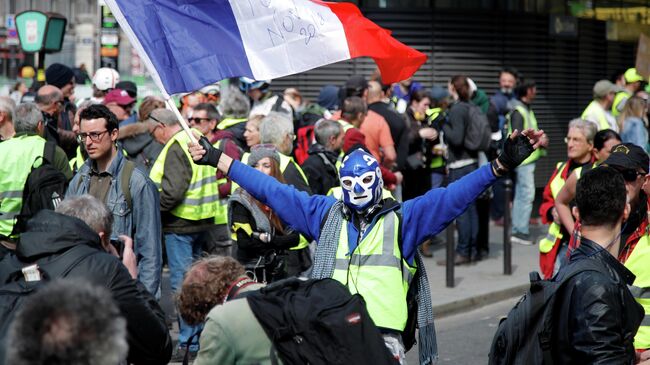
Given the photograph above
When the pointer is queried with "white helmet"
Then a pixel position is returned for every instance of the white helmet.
(106, 78)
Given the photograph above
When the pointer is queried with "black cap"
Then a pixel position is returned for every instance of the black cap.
(129, 87)
(628, 156)
(355, 85)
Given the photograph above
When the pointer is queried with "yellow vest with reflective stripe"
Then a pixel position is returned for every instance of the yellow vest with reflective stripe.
(620, 97)
(530, 121)
(229, 122)
(18, 155)
(345, 125)
(202, 196)
(377, 271)
(554, 230)
(639, 264)
(595, 108)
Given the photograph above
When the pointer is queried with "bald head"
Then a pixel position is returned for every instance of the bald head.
(374, 92)
(47, 94)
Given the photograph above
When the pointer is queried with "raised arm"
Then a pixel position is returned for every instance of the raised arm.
(297, 209)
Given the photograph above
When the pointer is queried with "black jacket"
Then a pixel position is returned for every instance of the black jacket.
(50, 234)
(320, 168)
(597, 316)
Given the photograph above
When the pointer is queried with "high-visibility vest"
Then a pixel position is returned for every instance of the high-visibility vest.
(77, 161)
(202, 196)
(229, 122)
(529, 122)
(554, 230)
(19, 154)
(377, 271)
(595, 109)
(345, 125)
(620, 97)
(639, 264)
(432, 114)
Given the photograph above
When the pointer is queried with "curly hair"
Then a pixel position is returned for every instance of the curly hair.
(205, 286)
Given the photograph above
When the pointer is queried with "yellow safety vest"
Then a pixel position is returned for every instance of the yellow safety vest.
(639, 264)
(77, 161)
(529, 122)
(554, 230)
(620, 97)
(202, 196)
(229, 122)
(377, 271)
(436, 161)
(595, 108)
(18, 155)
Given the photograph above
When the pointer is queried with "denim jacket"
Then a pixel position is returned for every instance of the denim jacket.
(142, 222)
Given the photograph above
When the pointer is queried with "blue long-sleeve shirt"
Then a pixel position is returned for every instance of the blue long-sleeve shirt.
(422, 217)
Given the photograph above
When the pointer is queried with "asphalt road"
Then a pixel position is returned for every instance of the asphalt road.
(465, 338)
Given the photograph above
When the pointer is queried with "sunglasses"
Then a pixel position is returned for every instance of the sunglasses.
(630, 175)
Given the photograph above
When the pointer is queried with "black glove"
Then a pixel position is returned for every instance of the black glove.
(212, 154)
(515, 151)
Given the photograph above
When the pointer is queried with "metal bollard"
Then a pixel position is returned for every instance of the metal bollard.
(451, 255)
(507, 235)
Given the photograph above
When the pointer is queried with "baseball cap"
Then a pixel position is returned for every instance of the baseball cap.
(439, 93)
(355, 85)
(604, 87)
(106, 78)
(628, 156)
(128, 86)
(631, 75)
(119, 97)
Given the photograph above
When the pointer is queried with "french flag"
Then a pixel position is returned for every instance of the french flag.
(187, 44)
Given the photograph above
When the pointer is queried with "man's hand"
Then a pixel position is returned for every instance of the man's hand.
(518, 146)
(428, 133)
(128, 256)
(203, 153)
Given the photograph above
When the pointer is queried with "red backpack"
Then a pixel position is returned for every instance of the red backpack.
(304, 139)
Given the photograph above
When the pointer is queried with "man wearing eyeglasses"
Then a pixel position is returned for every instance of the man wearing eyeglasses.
(128, 193)
(553, 247)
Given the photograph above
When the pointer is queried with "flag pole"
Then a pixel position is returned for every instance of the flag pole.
(172, 106)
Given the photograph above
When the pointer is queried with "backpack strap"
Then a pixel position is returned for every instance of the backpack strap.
(49, 151)
(125, 180)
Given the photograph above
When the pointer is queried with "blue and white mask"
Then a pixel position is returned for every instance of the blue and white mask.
(361, 180)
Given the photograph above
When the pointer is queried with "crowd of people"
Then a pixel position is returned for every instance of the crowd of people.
(343, 187)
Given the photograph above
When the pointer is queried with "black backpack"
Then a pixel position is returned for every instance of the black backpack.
(15, 290)
(478, 133)
(317, 322)
(44, 189)
(524, 336)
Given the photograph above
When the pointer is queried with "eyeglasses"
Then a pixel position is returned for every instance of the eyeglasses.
(197, 120)
(94, 136)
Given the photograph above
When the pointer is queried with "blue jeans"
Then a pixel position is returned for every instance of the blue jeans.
(182, 249)
(466, 223)
(437, 179)
(524, 197)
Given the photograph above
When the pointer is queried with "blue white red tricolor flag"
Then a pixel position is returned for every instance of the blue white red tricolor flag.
(188, 44)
